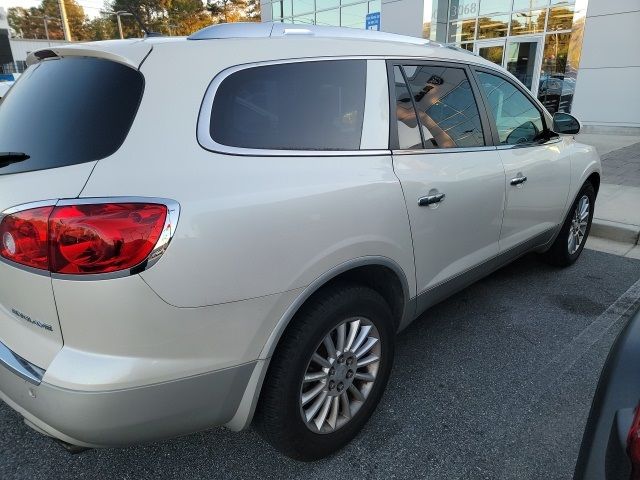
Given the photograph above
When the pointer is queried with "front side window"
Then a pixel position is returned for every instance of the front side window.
(292, 106)
(517, 119)
(445, 105)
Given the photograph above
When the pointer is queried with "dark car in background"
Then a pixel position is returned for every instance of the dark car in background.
(611, 444)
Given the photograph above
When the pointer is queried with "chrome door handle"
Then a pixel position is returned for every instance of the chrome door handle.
(518, 180)
(431, 199)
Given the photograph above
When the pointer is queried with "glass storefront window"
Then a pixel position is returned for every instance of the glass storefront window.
(375, 6)
(557, 78)
(287, 8)
(324, 4)
(308, 19)
(493, 53)
(462, 30)
(463, 8)
(276, 10)
(560, 18)
(529, 4)
(519, 61)
(528, 23)
(303, 6)
(495, 6)
(329, 18)
(495, 26)
(354, 16)
(467, 46)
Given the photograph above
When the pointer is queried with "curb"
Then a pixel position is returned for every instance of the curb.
(619, 232)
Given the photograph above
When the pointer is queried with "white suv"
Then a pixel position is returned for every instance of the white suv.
(181, 252)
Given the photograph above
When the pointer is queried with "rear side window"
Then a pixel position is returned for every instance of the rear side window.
(293, 106)
(66, 111)
(445, 105)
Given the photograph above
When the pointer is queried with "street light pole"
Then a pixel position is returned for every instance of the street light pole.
(118, 14)
(119, 26)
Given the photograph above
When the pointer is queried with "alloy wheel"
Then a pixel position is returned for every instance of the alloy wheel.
(578, 228)
(340, 375)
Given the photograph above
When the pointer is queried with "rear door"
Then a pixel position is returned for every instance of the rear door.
(536, 161)
(60, 117)
(452, 178)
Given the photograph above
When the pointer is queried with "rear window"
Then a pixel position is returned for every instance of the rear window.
(67, 111)
(292, 106)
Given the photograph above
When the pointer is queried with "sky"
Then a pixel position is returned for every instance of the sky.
(91, 7)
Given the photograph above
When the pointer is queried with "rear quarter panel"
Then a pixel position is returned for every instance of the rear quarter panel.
(249, 226)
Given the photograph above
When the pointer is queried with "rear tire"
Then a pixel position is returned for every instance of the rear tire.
(570, 242)
(304, 363)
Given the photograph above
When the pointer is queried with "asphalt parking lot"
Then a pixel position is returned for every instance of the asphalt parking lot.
(494, 383)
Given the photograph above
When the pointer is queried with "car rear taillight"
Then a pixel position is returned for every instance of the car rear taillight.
(24, 237)
(85, 238)
(633, 445)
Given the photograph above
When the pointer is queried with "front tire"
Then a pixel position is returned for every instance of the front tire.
(328, 373)
(570, 242)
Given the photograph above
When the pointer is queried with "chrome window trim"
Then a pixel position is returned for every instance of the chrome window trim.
(168, 231)
(431, 151)
(203, 129)
(529, 145)
(21, 367)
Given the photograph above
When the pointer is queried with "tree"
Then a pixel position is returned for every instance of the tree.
(226, 11)
(29, 23)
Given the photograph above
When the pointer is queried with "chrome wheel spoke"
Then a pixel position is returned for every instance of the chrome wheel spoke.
(357, 394)
(311, 394)
(353, 331)
(332, 420)
(371, 341)
(324, 411)
(314, 376)
(323, 362)
(342, 337)
(331, 349)
(345, 405)
(368, 360)
(364, 331)
(315, 406)
(366, 376)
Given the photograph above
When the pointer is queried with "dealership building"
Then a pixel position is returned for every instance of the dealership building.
(578, 56)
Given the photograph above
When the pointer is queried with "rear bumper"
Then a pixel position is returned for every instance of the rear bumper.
(127, 416)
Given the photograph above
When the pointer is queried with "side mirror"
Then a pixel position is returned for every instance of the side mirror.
(565, 124)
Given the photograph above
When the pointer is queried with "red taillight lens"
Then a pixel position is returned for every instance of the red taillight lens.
(23, 237)
(103, 238)
(633, 445)
(83, 239)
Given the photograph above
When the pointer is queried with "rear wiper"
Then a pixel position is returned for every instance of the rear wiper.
(7, 158)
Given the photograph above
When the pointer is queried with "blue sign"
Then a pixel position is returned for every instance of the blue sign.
(373, 21)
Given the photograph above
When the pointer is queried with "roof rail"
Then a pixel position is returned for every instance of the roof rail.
(273, 30)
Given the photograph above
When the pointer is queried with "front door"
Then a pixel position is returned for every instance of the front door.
(452, 181)
(536, 162)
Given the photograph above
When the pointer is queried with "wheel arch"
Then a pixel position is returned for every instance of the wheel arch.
(379, 273)
(382, 274)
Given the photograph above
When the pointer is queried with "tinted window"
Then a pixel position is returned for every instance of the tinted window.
(446, 106)
(517, 119)
(408, 133)
(67, 111)
(295, 106)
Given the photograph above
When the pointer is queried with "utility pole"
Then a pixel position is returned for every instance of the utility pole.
(65, 21)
